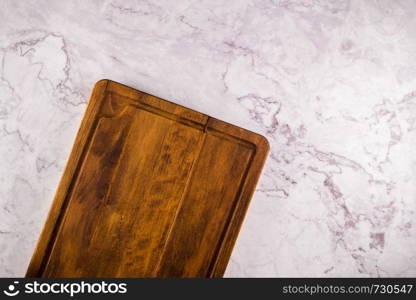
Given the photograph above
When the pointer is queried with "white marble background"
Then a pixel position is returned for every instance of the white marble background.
(332, 84)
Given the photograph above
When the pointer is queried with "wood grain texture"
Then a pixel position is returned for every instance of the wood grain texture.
(151, 189)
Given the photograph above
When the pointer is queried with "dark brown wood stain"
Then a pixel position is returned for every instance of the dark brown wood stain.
(151, 189)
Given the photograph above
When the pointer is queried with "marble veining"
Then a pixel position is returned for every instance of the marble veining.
(332, 84)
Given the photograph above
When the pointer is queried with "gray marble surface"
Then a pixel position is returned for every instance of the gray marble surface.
(332, 84)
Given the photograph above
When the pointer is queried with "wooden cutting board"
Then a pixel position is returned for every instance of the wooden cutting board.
(151, 189)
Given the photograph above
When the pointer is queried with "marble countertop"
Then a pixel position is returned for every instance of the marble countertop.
(332, 84)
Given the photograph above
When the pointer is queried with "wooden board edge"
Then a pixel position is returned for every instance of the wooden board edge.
(37, 261)
(236, 220)
(149, 99)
